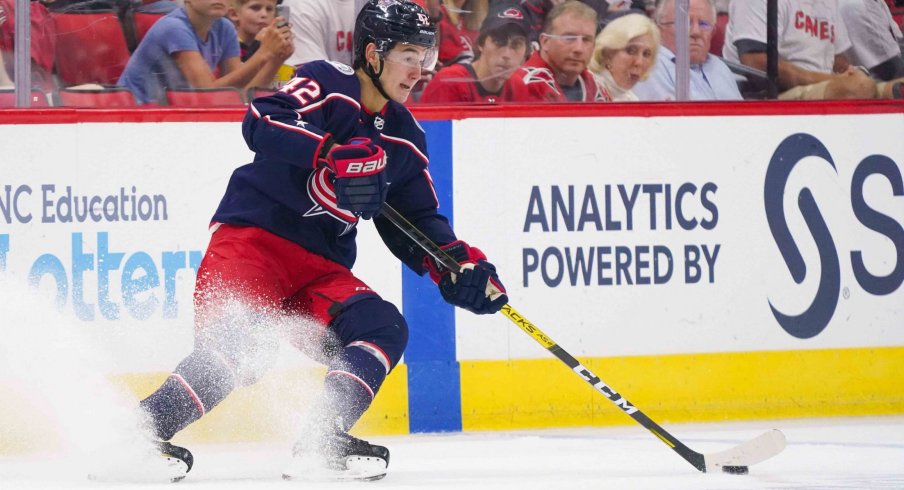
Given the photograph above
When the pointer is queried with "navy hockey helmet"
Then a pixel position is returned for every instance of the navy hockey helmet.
(388, 22)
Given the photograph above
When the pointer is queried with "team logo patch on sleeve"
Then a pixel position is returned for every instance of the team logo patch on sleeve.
(342, 68)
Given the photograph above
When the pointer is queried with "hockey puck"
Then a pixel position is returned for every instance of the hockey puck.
(735, 470)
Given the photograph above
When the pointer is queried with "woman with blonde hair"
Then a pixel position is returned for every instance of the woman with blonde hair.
(624, 54)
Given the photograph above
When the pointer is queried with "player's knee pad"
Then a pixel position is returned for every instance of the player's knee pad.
(374, 326)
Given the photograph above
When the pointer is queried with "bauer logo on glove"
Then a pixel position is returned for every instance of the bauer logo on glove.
(359, 178)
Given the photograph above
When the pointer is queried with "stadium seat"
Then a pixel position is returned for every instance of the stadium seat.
(718, 36)
(204, 97)
(754, 84)
(91, 47)
(104, 97)
(8, 98)
(144, 21)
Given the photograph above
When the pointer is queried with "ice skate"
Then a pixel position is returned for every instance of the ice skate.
(154, 461)
(337, 456)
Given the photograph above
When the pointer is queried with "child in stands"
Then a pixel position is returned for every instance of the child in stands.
(197, 47)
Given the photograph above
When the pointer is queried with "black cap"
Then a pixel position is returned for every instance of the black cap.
(505, 13)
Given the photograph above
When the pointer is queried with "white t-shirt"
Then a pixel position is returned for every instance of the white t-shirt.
(874, 34)
(323, 30)
(810, 32)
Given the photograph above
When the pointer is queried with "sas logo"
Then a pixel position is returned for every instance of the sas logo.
(818, 314)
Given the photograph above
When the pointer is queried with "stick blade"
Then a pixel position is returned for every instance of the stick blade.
(754, 451)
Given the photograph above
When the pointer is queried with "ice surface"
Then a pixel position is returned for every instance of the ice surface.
(836, 453)
(74, 409)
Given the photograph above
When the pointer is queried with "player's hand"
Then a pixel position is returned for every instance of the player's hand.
(476, 288)
(360, 181)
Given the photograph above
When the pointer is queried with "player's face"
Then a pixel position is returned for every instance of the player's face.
(402, 69)
(630, 64)
(250, 18)
(569, 44)
(503, 56)
(700, 30)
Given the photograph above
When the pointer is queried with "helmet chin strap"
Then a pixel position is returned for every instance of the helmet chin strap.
(375, 77)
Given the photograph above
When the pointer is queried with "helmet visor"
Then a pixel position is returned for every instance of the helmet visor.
(413, 56)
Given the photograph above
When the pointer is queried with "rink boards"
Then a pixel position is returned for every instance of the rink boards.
(711, 263)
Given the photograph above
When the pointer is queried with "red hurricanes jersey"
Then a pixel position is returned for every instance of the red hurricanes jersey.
(457, 84)
(454, 39)
(43, 33)
(535, 82)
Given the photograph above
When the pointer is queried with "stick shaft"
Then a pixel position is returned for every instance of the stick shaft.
(691, 456)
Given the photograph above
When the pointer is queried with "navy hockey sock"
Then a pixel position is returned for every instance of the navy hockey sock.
(199, 383)
(353, 380)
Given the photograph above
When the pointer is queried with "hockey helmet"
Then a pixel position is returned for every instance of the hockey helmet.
(388, 22)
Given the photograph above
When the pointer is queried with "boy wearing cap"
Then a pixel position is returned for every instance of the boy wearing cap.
(502, 47)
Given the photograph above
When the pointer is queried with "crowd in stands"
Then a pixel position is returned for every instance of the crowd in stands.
(188, 52)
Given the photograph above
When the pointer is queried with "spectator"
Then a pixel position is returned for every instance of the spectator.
(185, 48)
(323, 30)
(558, 71)
(874, 37)
(250, 17)
(624, 55)
(458, 29)
(537, 10)
(252, 20)
(501, 48)
(43, 43)
(811, 40)
(710, 78)
(5, 80)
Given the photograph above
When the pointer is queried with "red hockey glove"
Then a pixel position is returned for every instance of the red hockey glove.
(360, 181)
(476, 288)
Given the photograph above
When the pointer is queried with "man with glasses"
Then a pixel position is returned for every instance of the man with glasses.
(558, 71)
(710, 78)
(502, 47)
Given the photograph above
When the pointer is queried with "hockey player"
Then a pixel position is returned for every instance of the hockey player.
(327, 147)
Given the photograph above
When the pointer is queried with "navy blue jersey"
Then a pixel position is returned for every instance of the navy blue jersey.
(284, 192)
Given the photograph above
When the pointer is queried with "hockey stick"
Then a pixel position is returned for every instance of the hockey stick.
(734, 460)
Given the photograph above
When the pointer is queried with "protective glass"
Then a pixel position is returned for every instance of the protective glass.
(413, 56)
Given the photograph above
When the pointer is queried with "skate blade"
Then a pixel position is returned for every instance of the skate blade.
(358, 468)
(166, 469)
